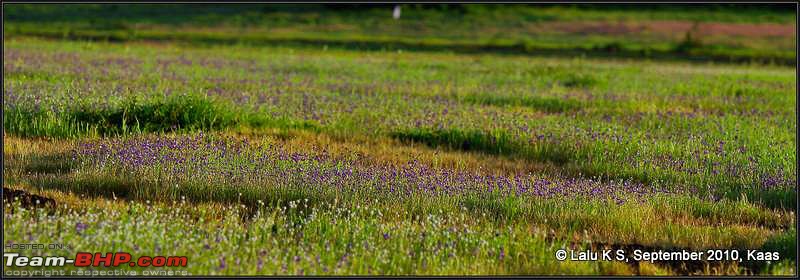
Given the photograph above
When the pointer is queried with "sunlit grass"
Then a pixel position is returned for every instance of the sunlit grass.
(351, 157)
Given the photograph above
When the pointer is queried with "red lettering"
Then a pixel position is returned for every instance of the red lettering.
(144, 261)
(121, 258)
(159, 261)
(83, 259)
(106, 260)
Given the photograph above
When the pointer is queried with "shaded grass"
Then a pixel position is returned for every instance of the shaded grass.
(190, 112)
(346, 240)
(692, 222)
(600, 221)
(641, 224)
(133, 115)
(677, 209)
(124, 186)
(661, 222)
(688, 218)
(577, 80)
(785, 244)
(779, 198)
(574, 161)
(48, 164)
(747, 226)
(705, 53)
(465, 140)
(187, 112)
(374, 239)
(545, 104)
(498, 142)
(746, 215)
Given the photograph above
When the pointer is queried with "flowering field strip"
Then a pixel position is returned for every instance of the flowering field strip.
(764, 35)
(278, 160)
(721, 130)
(200, 159)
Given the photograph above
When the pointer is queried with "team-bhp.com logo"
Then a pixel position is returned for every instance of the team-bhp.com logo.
(84, 259)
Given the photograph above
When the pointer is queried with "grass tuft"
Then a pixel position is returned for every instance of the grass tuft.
(177, 112)
(544, 104)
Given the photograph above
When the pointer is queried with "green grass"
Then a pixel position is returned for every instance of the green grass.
(545, 104)
(497, 142)
(442, 235)
(319, 244)
(186, 112)
(326, 99)
(420, 29)
(600, 123)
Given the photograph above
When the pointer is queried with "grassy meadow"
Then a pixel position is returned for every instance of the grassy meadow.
(280, 140)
